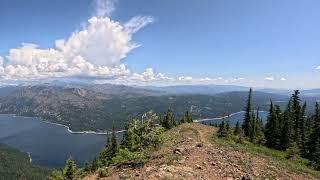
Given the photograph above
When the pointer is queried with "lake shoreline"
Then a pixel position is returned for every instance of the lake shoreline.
(219, 118)
(67, 127)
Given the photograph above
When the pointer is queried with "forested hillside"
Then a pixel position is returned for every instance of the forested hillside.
(287, 146)
(90, 109)
(16, 165)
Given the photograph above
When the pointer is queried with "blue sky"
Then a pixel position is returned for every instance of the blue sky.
(249, 42)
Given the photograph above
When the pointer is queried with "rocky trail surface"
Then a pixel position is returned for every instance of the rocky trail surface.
(190, 153)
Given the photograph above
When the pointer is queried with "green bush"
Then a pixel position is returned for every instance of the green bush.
(103, 172)
(126, 157)
(142, 135)
(56, 175)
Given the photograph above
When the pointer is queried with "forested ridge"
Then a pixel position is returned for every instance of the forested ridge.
(85, 109)
(288, 129)
(16, 165)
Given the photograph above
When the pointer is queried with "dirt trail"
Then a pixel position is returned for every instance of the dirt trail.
(189, 154)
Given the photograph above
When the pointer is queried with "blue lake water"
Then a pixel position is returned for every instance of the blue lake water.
(233, 118)
(49, 144)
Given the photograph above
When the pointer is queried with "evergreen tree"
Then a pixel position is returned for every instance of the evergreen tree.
(304, 132)
(105, 156)
(314, 138)
(247, 121)
(253, 128)
(258, 129)
(110, 150)
(168, 120)
(143, 134)
(286, 138)
(237, 130)
(272, 128)
(86, 167)
(56, 175)
(186, 118)
(189, 117)
(69, 170)
(316, 155)
(222, 132)
(94, 165)
(227, 126)
(183, 119)
(124, 140)
(296, 116)
(114, 144)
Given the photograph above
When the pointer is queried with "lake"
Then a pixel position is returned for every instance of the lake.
(49, 144)
(233, 118)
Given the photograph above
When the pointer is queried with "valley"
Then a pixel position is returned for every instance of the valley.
(89, 109)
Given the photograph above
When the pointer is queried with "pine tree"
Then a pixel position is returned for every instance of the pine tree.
(253, 128)
(110, 150)
(296, 116)
(189, 117)
(316, 155)
(124, 141)
(304, 132)
(94, 165)
(104, 156)
(143, 134)
(237, 130)
(56, 175)
(86, 167)
(227, 126)
(168, 120)
(223, 132)
(272, 129)
(186, 118)
(183, 119)
(69, 170)
(277, 127)
(114, 144)
(247, 121)
(314, 137)
(286, 138)
(258, 129)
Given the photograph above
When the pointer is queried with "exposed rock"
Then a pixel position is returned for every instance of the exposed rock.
(178, 151)
(198, 166)
(182, 161)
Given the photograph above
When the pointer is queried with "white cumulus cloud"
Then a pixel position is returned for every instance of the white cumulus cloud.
(283, 79)
(147, 76)
(104, 7)
(95, 51)
(318, 68)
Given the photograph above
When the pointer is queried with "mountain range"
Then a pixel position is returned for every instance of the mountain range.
(98, 107)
